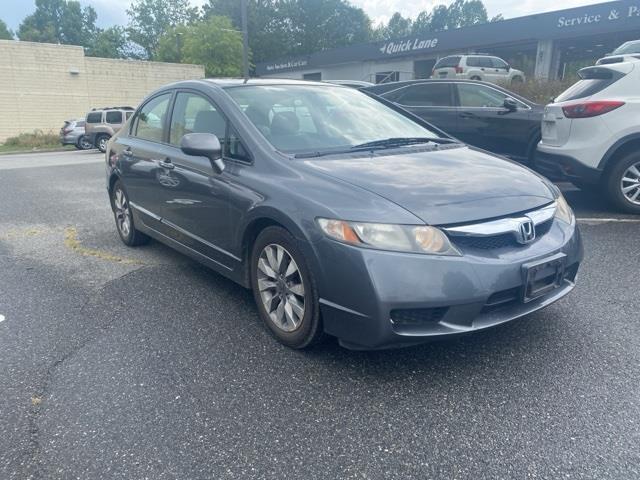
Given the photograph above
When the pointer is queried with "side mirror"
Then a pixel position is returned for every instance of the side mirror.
(510, 104)
(204, 145)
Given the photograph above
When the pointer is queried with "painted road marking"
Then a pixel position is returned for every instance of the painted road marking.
(1, 318)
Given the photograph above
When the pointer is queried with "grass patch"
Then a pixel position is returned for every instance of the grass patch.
(33, 142)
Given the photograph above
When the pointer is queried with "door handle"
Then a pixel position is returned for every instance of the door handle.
(467, 115)
(166, 163)
(127, 153)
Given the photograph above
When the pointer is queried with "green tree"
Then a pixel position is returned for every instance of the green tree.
(463, 13)
(422, 23)
(5, 33)
(110, 43)
(497, 18)
(211, 42)
(59, 21)
(439, 18)
(398, 27)
(288, 27)
(149, 20)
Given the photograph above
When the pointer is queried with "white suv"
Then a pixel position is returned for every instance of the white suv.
(477, 67)
(591, 133)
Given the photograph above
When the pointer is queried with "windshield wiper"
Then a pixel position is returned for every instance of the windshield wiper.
(379, 145)
(400, 141)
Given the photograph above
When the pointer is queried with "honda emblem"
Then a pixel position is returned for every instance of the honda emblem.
(527, 232)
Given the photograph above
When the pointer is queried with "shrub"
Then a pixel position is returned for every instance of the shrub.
(35, 139)
(541, 91)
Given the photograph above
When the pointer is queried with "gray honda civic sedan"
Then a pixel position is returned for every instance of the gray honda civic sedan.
(345, 215)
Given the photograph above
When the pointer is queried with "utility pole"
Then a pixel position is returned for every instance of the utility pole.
(179, 46)
(245, 41)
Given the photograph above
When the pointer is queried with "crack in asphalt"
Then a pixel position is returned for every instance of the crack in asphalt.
(39, 397)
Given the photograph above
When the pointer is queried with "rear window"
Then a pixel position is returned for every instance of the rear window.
(627, 48)
(592, 80)
(94, 117)
(448, 62)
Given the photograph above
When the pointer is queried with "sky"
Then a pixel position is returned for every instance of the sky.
(112, 12)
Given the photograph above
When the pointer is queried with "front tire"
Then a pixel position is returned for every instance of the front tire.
(284, 289)
(101, 142)
(475, 77)
(129, 235)
(623, 183)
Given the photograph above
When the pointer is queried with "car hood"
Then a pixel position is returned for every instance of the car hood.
(444, 186)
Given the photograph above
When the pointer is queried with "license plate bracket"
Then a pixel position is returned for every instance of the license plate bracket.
(543, 276)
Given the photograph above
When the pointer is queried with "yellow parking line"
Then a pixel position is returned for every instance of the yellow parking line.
(71, 241)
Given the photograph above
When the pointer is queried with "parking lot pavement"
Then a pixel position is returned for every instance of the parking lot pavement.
(139, 363)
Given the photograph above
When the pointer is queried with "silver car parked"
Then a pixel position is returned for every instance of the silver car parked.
(72, 133)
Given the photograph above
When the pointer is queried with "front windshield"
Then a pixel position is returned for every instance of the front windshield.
(311, 118)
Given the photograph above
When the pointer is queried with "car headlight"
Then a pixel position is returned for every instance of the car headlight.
(563, 211)
(385, 236)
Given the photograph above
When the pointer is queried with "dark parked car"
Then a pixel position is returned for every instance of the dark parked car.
(344, 214)
(478, 113)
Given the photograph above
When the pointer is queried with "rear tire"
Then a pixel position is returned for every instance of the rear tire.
(623, 183)
(84, 143)
(101, 142)
(284, 289)
(123, 215)
(475, 77)
(517, 80)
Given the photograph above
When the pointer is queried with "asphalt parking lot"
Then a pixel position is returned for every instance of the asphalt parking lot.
(139, 363)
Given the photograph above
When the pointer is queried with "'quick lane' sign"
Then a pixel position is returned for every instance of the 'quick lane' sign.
(391, 48)
(590, 18)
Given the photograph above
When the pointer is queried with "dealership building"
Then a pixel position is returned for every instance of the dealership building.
(548, 45)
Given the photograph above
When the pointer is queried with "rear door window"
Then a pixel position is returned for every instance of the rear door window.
(94, 117)
(423, 95)
(593, 80)
(195, 114)
(113, 117)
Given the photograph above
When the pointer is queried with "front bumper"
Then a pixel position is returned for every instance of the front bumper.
(363, 290)
(563, 167)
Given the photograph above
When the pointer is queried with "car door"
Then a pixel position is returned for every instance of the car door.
(484, 122)
(114, 119)
(140, 156)
(195, 201)
(431, 101)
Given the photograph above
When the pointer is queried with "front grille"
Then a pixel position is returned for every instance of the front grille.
(499, 241)
(418, 316)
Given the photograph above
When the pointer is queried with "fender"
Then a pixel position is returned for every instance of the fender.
(269, 213)
(614, 148)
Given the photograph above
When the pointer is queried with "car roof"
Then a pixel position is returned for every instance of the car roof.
(383, 88)
(237, 82)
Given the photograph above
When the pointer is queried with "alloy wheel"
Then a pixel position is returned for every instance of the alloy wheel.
(123, 212)
(85, 143)
(630, 183)
(102, 143)
(281, 287)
